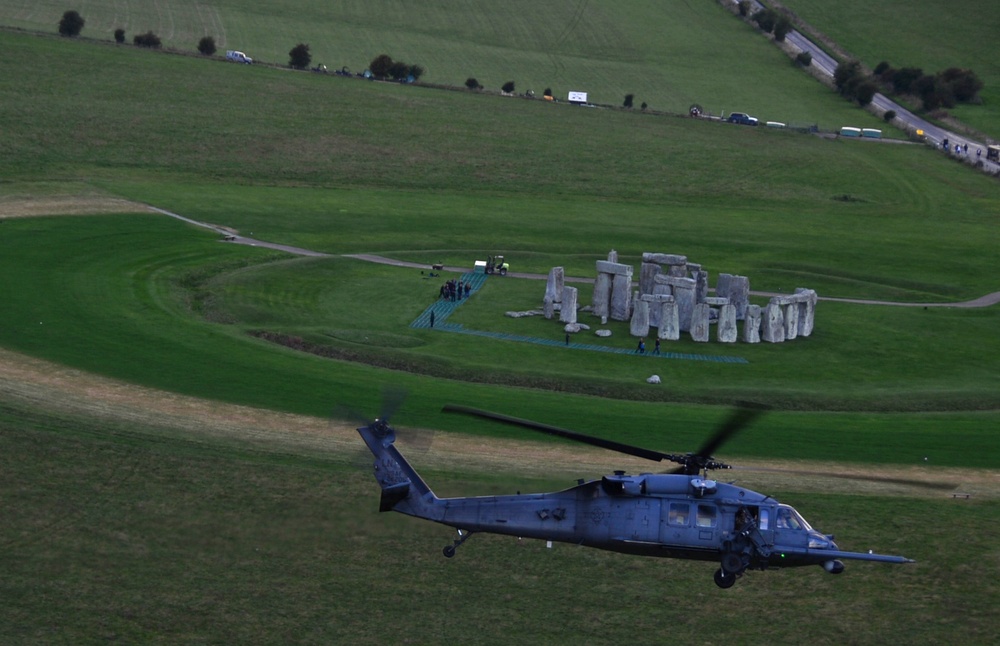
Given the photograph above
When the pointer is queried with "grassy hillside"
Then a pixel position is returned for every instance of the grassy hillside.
(922, 34)
(670, 55)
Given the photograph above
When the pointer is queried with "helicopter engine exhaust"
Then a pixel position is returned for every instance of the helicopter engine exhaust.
(834, 567)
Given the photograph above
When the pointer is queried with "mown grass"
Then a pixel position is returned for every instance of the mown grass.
(153, 301)
(129, 533)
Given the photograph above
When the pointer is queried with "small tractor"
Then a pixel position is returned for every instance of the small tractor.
(496, 265)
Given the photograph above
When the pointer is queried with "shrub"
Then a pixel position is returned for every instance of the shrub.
(398, 70)
(547, 92)
(881, 68)
(71, 24)
(148, 39)
(473, 84)
(889, 115)
(206, 45)
(380, 65)
(119, 36)
(643, 106)
(864, 92)
(628, 100)
(846, 76)
(744, 8)
(416, 71)
(508, 87)
(765, 19)
(902, 80)
(299, 57)
(804, 59)
(964, 84)
(781, 29)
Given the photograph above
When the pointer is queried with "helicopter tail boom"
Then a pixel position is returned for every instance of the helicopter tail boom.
(403, 489)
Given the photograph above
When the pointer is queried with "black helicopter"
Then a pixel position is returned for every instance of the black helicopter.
(681, 514)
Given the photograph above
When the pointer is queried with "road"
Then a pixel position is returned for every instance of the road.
(827, 65)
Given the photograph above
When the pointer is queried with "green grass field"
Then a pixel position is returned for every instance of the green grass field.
(137, 531)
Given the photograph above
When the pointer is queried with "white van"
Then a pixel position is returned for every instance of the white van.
(238, 57)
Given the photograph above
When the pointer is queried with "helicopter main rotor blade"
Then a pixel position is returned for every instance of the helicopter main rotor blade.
(741, 417)
(909, 482)
(627, 449)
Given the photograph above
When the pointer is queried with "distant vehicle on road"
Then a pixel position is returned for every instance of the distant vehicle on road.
(742, 118)
(238, 57)
(993, 153)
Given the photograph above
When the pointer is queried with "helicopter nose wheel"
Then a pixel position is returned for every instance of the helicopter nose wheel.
(724, 579)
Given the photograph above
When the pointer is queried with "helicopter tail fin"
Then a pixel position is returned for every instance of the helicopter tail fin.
(403, 490)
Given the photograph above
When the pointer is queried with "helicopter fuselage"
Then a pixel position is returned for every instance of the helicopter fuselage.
(660, 515)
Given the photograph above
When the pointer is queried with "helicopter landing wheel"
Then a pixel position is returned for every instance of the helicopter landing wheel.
(724, 580)
(448, 551)
(732, 563)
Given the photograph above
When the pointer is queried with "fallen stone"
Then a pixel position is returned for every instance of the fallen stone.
(653, 379)
(603, 333)
(518, 315)
(571, 328)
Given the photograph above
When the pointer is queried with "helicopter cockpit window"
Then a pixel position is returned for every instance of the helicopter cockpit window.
(679, 512)
(788, 518)
(707, 515)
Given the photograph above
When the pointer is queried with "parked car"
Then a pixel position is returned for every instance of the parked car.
(742, 118)
(238, 57)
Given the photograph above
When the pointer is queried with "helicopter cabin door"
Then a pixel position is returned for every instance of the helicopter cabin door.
(635, 519)
(691, 523)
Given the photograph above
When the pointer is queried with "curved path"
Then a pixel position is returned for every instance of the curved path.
(229, 236)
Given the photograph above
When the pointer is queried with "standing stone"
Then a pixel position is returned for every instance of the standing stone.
(640, 320)
(554, 284)
(807, 310)
(621, 297)
(613, 256)
(678, 271)
(739, 295)
(602, 295)
(647, 276)
(568, 312)
(700, 322)
(772, 324)
(751, 325)
(791, 321)
(669, 330)
(548, 308)
(727, 323)
(684, 297)
(700, 285)
(654, 301)
(722, 285)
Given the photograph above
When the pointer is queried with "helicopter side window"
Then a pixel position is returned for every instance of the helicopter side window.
(706, 516)
(788, 518)
(764, 521)
(679, 512)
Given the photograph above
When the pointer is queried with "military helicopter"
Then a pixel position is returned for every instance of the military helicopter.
(682, 514)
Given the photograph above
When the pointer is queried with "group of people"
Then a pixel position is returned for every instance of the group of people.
(454, 290)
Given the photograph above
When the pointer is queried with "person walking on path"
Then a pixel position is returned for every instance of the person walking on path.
(432, 318)
(656, 350)
(641, 348)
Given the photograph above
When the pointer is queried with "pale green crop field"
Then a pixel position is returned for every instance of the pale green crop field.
(669, 55)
